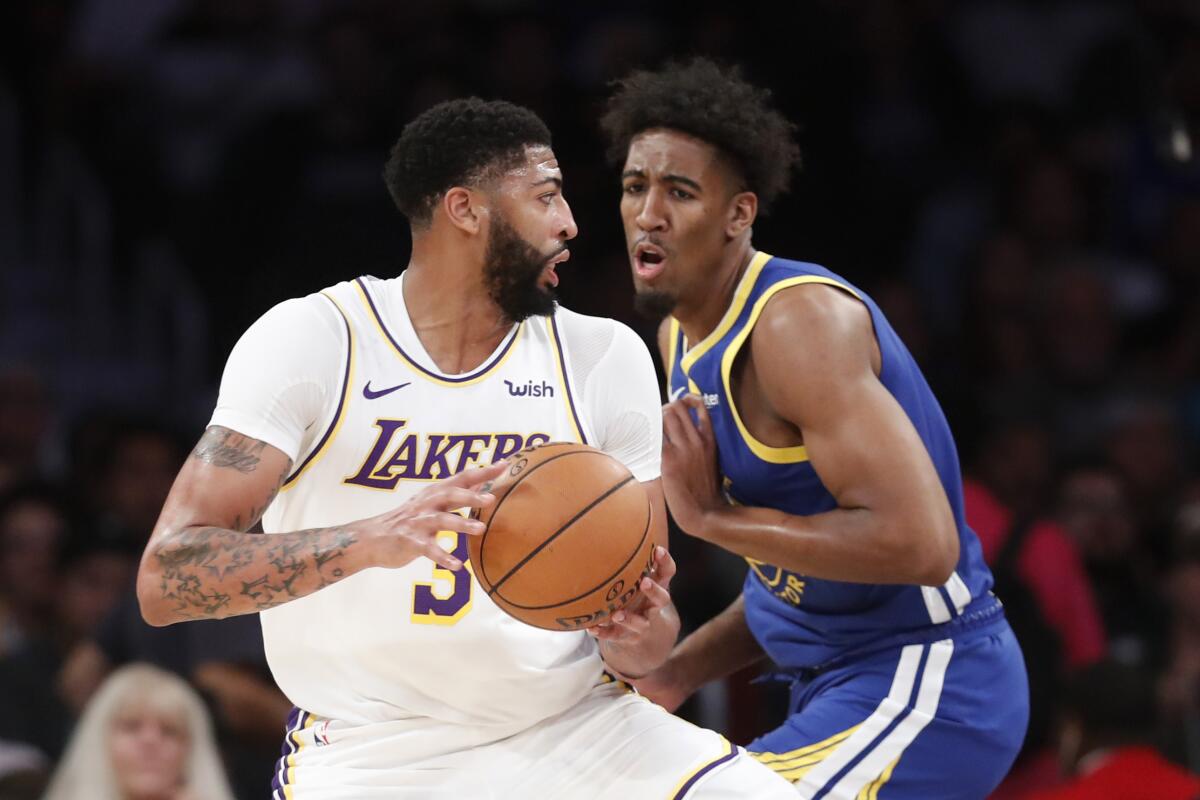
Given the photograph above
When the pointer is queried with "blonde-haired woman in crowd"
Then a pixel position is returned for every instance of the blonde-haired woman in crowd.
(144, 736)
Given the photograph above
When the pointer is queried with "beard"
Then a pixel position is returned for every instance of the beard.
(654, 304)
(512, 269)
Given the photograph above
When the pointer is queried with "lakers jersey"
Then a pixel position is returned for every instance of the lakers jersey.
(800, 620)
(382, 423)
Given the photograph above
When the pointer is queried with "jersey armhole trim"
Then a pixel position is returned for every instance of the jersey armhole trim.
(773, 455)
(339, 415)
(740, 296)
(672, 351)
(561, 364)
(729, 752)
(489, 366)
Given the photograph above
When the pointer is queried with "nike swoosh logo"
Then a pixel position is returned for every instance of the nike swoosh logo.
(371, 395)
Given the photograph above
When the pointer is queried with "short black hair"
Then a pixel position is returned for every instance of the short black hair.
(455, 143)
(712, 103)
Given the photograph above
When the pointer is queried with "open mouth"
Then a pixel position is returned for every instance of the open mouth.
(649, 260)
(548, 274)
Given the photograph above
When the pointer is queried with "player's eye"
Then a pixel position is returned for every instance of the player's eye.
(633, 188)
(682, 194)
(548, 198)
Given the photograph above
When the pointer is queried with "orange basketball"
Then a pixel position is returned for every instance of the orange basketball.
(567, 540)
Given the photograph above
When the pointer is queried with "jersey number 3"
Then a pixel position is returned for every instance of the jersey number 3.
(447, 598)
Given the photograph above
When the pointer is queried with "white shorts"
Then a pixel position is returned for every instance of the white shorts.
(612, 744)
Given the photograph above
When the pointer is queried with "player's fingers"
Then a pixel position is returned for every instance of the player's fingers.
(448, 498)
(437, 521)
(476, 475)
(656, 593)
(664, 566)
(687, 428)
(434, 552)
(635, 624)
(703, 423)
(676, 427)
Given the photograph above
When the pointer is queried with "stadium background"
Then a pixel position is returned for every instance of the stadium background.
(1014, 181)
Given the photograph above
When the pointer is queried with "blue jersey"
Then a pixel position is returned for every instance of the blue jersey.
(802, 621)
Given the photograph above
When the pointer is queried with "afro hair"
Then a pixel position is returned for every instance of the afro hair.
(716, 105)
(455, 143)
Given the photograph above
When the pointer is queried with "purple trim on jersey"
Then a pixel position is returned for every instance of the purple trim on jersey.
(295, 722)
(709, 767)
(447, 378)
(562, 363)
(341, 398)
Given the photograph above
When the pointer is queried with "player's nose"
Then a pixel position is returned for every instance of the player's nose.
(651, 217)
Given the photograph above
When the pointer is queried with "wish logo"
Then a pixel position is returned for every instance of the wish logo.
(530, 389)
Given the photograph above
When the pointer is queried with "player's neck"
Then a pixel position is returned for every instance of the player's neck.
(450, 309)
(700, 318)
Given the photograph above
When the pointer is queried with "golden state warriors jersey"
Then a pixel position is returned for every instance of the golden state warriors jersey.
(423, 641)
(800, 620)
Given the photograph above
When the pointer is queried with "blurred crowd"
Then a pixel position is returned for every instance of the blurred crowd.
(1015, 181)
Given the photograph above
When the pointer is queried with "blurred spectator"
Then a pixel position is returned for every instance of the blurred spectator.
(145, 736)
(24, 421)
(1093, 507)
(1179, 688)
(128, 466)
(1104, 741)
(1143, 443)
(34, 526)
(224, 659)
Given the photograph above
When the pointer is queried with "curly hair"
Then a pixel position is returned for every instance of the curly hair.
(455, 143)
(714, 104)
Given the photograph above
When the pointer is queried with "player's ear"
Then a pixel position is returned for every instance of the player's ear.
(743, 208)
(461, 207)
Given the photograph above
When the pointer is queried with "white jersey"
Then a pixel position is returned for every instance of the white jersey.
(339, 382)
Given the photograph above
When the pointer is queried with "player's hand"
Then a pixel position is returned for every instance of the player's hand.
(689, 463)
(411, 529)
(631, 624)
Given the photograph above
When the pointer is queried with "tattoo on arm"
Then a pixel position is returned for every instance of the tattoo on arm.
(222, 447)
(213, 572)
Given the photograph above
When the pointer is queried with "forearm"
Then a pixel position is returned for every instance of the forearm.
(203, 572)
(855, 545)
(718, 648)
(633, 661)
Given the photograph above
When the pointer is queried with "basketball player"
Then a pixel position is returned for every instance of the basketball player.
(355, 422)
(805, 439)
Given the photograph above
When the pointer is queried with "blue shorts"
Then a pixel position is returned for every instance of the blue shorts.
(940, 719)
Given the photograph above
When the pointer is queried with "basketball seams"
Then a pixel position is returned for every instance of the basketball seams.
(481, 571)
(562, 529)
(633, 555)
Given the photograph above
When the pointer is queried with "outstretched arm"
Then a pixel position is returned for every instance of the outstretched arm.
(893, 522)
(200, 562)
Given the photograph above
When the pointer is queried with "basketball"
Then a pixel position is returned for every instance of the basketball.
(567, 540)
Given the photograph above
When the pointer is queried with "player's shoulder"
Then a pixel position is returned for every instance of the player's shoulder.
(314, 314)
(804, 300)
(601, 332)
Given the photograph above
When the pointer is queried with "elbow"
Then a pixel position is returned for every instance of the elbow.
(150, 600)
(938, 557)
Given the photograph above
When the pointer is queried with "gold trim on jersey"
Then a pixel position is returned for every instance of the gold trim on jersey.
(290, 787)
(871, 790)
(740, 295)
(506, 349)
(794, 764)
(559, 365)
(773, 455)
(340, 413)
(672, 350)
